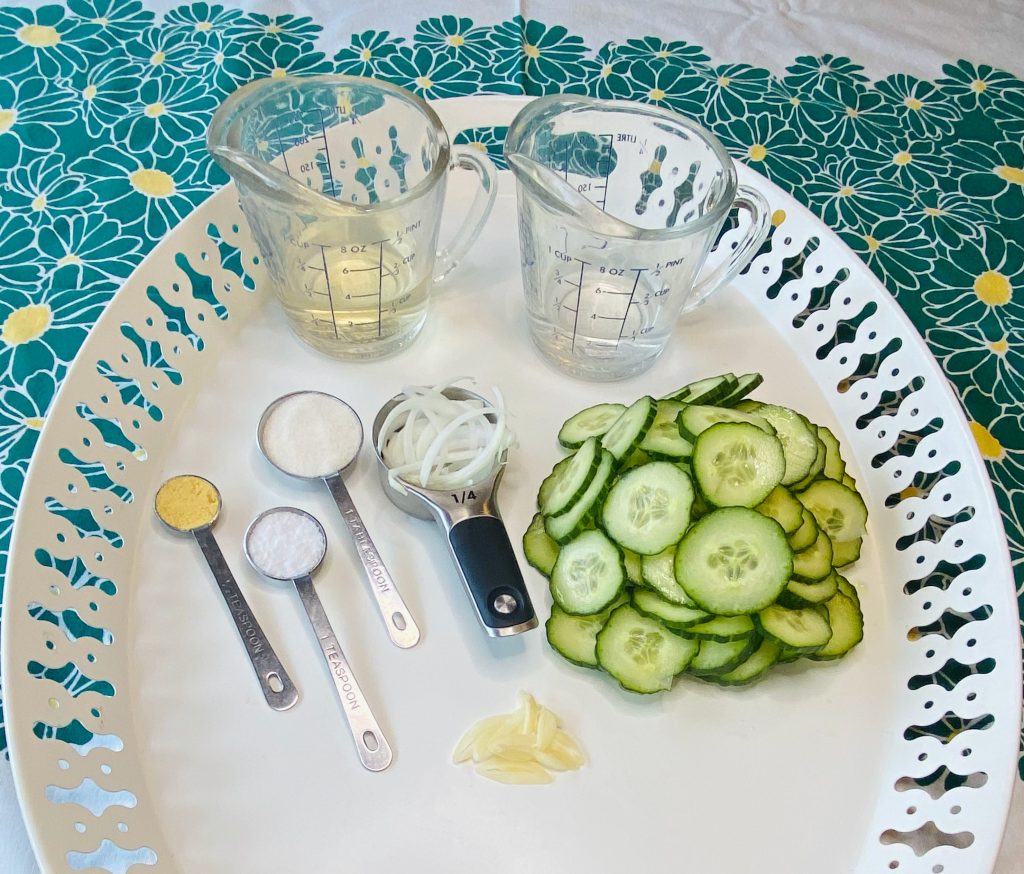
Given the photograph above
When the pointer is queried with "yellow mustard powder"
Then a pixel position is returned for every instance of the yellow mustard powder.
(187, 502)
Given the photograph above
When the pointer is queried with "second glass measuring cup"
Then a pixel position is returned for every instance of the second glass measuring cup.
(342, 180)
(619, 205)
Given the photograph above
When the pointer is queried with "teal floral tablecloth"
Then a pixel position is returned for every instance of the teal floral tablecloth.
(104, 106)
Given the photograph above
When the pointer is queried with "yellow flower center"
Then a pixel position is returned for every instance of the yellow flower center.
(852, 113)
(663, 53)
(153, 183)
(990, 448)
(89, 92)
(203, 26)
(480, 147)
(778, 217)
(365, 54)
(39, 36)
(977, 86)
(901, 159)
(218, 58)
(999, 347)
(873, 244)
(606, 71)
(102, 21)
(424, 83)
(33, 422)
(25, 324)
(157, 58)
(273, 28)
(154, 110)
(723, 81)
(656, 94)
(794, 101)
(39, 203)
(655, 167)
(456, 40)
(757, 152)
(934, 211)
(913, 103)
(68, 260)
(847, 191)
(278, 73)
(7, 119)
(910, 492)
(531, 51)
(363, 163)
(1010, 174)
(993, 288)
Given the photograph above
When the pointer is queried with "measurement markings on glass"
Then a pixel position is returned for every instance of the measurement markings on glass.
(579, 293)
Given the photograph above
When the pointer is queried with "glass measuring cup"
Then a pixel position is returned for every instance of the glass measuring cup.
(342, 180)
(619, 206)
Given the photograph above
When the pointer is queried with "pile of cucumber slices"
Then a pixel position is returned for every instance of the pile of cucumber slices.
(703, 532)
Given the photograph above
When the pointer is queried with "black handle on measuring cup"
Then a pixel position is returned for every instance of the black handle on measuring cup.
(488, 567)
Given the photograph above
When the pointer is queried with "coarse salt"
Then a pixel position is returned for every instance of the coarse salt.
(284, 543)
(311, 434)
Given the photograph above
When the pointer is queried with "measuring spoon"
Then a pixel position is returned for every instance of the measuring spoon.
(200, 500)
(286, 543)
(295, 438)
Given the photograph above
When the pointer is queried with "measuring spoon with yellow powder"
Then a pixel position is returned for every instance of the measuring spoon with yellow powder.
(189, 504)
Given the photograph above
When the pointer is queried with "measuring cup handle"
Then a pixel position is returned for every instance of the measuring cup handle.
(753, 202)
(488, 567)
(469, 158)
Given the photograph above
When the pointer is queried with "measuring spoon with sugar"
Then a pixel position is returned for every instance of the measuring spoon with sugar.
(190, 504)
(313, 435)
(286, 543)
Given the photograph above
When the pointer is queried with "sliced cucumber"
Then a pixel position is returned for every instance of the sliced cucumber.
(710, 390)
(635, 459)
(734, 561)
(835, 467)
(592, 422)
(781, 506)
(745, 384)
(815, 562)
(849, 481)
(629, 429)
(736, 464)
(797, 594)
(659, 575)
(847, 627)
(846, 552)
(588, 574)
(574, 479)
(674, 616)
(806, 534)
(847, 588)
(640, 652)
(799, 440)
(839, 511)
(817, 466)
(634, 566)
(722, 628)
(756, 665)
(575, 637)
(567, 525)
(551, 480)
(719, 657)
(540, 550)
(663, 439)
(800, 631)
(648, 508)
(695, 420)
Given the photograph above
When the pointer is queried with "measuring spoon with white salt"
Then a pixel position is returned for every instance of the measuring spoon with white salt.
(286, 543)
(314, 435)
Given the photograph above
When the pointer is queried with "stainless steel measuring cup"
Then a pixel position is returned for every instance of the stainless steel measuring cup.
(398, 621)
(371, 745)
(474, 534)
(619, 206)
(276, 685)
(342, 180)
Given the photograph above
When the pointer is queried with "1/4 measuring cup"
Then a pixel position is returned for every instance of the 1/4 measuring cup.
(619, 206)
(342, 180)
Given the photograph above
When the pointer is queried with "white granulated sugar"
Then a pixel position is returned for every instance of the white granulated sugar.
(284, 544)
(311, 434)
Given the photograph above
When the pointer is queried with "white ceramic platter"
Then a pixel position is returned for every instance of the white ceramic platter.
(171, 758)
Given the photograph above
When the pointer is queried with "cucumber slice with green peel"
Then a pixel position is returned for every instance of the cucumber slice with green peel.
(575, 637)
(847, 588)
(753, 668)
(540, 550)
(719, 657)
(748, 406)
(799, 440)
(797, 594)
(640, 653)
(781, 506)
(663, 440)
(849, 481)
(588, 574)
(804, 630)
(592, 422)
(722, 629)
(549, 482)
(695, 420)
(734, 561)
(634, 566)
(567, 525)
(659, 575)
(648, 508)
(736, 464)
(674, 616)
(806, 534)
(815, 562)
(839, 511)
(706, 391)
(847, 624)
(627, 432)
(635, 459)
(835, 467)
(816, 471)
(574, 479)
(745, 384)
(846, 552)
